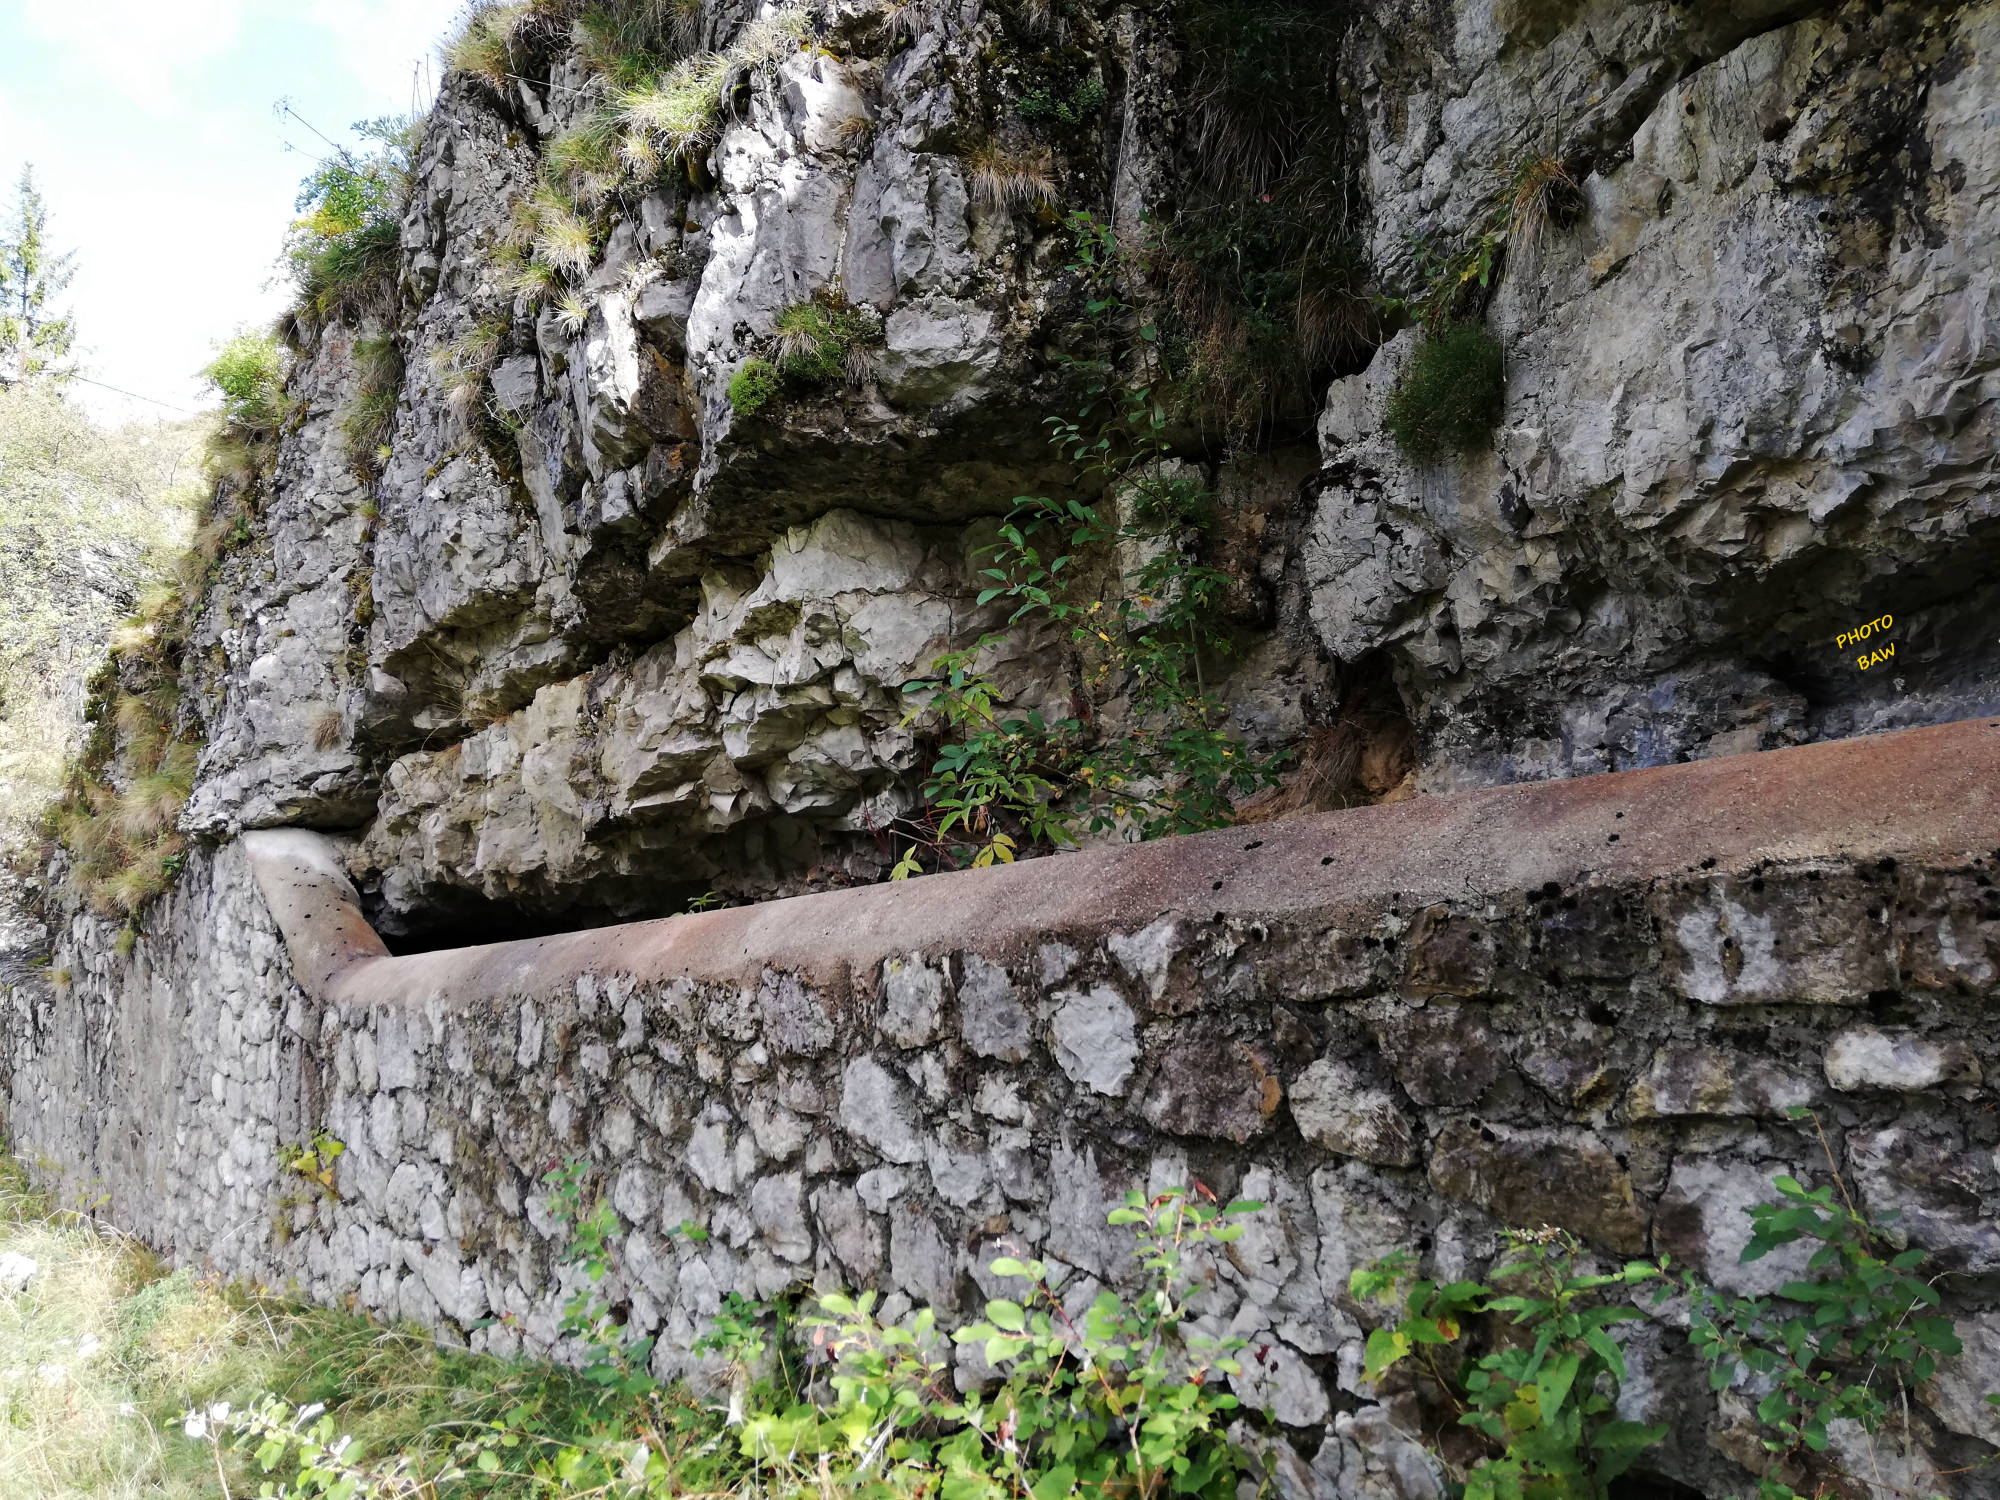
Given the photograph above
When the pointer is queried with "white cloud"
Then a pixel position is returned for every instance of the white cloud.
(385, 44)
(137, 47)
(168, 173)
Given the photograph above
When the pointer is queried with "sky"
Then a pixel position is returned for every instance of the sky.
(152, 130)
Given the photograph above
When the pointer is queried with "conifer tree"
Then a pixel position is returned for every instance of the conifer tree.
(35, 341)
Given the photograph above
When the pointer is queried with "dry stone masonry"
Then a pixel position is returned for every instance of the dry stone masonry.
(1591, 1004)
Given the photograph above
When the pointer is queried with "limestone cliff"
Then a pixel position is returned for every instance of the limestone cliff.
(584, 638)
(643, 646)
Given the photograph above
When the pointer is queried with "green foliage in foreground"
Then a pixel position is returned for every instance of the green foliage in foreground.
(119, 1380)
(1851, 1342)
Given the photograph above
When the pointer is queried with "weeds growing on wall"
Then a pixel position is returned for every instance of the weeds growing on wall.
(1120, 1397)
(754, 386)
(1258, 260)
(124, 795)
(370, 413)
(1006, 782)
(1851, 1341)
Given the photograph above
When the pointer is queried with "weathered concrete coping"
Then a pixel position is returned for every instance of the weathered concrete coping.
(1913, 794)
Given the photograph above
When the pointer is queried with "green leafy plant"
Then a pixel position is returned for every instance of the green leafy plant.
(613, 1359)
(313, 1159)
(1079, 105)
(1848, 1342)
(1546, 1399)
(345, 248)
(1006, 781)
(1451, 395)
(1120, 1400)
(248, 372)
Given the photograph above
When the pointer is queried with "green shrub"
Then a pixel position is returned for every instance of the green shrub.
(249, 373)
(1546, 1401)
(1451, 395)
(753, 387)
(1849, 1342)
(1121, 1398)
(345, 249)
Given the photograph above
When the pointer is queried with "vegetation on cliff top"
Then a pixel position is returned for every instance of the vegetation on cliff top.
(35, 337)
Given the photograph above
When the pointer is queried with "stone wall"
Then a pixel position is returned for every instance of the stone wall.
(1588, 1003)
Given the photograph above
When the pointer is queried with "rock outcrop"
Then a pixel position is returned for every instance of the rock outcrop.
(613, 644)
(1750, 392)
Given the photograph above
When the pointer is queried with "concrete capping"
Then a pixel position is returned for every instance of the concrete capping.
(315, 905)
(1913, 794)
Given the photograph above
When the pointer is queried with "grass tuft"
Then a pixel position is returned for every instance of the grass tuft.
(105, 1350)
(1451, 395)
(1007, 178)
(680, 110)
(824, 341)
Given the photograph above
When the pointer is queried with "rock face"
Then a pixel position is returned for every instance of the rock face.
(614, 644)
(1750, 385)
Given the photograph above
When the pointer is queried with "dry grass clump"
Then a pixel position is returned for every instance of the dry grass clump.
(1259, 261)
(464, 365)
(85, 513)
(1539, 191)
(493, 34)
(680, 111)
(1008, 178)
(651, 102)
(370, 413)
(125, 794)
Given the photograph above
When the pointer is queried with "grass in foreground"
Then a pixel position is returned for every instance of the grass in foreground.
(104, 1351)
